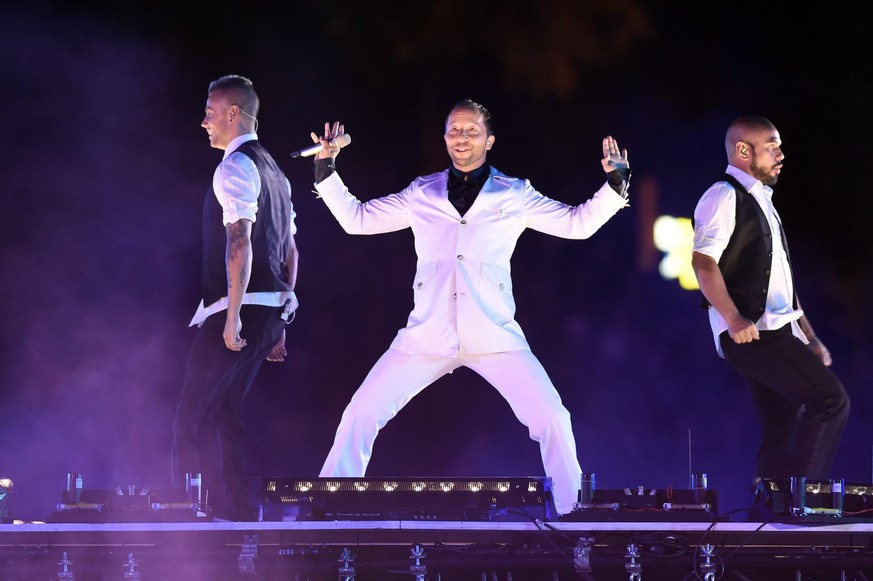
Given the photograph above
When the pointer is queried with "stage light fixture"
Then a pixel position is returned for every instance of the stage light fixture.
(406, 499)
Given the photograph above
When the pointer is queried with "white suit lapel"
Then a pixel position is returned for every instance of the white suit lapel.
(490, 189)
(437, 192)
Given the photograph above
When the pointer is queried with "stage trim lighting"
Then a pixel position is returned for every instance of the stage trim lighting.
(416, 498)
(411, 485)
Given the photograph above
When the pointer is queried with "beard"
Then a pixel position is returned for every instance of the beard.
(766, 176)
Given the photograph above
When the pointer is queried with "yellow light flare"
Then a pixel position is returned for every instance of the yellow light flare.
(675, 237)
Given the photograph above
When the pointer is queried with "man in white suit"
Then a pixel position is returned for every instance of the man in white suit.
(466, 221)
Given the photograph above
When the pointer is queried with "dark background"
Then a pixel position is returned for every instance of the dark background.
(104, 168)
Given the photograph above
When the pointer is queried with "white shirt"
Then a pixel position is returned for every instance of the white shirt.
(237, 183)
(714, 221)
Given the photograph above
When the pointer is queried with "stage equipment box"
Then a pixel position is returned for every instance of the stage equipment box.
(124, 506)
(796, 498)
(647, 504)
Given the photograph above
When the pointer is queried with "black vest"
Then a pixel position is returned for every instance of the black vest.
(271, 234)
(745, 263)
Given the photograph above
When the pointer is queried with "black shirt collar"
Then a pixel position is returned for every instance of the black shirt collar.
(478, 176)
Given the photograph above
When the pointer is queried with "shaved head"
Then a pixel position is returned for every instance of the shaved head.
(743, 128)
(753, 145)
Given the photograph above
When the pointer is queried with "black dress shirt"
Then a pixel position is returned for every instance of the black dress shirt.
(464, 187)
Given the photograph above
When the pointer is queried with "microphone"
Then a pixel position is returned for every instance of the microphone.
(342, 140)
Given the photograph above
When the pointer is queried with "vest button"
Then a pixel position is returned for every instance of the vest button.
(763, 290)
(463, 222)
(460, 257)
(767, 272)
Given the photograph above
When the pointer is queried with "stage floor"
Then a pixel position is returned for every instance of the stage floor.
(835, 548)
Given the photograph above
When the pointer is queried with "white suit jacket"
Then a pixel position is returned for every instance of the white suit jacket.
(463, 300)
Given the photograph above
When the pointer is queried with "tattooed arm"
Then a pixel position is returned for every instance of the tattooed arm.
(239, 267)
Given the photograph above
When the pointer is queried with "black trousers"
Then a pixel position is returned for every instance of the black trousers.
(802, 405)
(209, 431)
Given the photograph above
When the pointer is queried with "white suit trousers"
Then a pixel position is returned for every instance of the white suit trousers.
(520, 378)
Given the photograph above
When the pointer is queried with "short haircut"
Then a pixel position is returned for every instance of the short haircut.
(742, 125)
(240, 91)
(470, 105)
